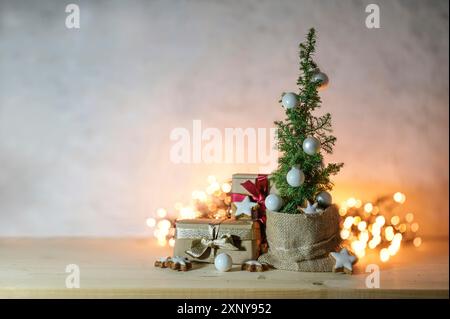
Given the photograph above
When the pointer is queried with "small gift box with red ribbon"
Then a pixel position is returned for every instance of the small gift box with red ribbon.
(248, 193)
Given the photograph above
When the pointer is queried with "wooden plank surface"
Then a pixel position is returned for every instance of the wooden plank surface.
(123, 268)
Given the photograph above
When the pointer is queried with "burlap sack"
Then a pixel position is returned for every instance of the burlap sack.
(301, 242)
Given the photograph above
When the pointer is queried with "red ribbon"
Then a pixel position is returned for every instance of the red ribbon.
(258, 191)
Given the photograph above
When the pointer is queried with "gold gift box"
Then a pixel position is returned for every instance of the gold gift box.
(241, 239)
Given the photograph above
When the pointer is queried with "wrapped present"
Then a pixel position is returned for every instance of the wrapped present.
(203, 239)
(249, 187)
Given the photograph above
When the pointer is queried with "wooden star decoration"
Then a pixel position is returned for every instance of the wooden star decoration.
(344, 261)
(245, 207)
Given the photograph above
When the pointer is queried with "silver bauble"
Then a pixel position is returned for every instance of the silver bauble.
(273, 202)
(311, 145)
(320, 78)
(289, 100)
(223, 262)
(324, 199)
(295, 177)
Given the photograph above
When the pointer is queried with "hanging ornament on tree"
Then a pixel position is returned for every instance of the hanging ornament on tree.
(324, 199)
(273, 202)
(311, 145)
(295, 177)
(289, 100)
(320, 78)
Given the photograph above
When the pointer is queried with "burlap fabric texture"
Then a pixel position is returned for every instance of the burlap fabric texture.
(301, 242)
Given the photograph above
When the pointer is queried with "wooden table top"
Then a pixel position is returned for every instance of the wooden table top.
(123, 268)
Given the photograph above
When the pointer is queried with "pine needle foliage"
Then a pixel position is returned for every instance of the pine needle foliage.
(298, 125)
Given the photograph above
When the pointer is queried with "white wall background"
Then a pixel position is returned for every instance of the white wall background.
(85, 115)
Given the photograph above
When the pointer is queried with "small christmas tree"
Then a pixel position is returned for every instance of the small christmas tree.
(301, 174)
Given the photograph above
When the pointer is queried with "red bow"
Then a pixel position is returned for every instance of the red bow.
(258, 191)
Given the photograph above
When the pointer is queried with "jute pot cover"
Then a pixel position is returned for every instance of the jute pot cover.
(302, 242)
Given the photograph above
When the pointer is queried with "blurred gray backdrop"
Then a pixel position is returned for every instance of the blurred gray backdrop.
(85, 115)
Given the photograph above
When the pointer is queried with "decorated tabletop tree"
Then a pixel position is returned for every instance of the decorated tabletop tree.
(302, 227)
(302, 177)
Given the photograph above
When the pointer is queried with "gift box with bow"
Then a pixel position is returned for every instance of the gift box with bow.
(203, 239)
(254, 186)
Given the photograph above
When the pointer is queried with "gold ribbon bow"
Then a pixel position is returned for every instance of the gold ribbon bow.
(200, 245)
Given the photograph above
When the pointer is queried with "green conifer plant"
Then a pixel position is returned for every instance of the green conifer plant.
(300, 123)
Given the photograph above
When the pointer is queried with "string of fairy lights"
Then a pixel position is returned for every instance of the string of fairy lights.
(212, 202)
(380, 226)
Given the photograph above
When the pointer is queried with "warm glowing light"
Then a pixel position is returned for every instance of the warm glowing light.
(226, 188)
(409, 217)
(402, 228)
(178, 206)
(374, 242)
(351, 202)
(163, 232)
(360, 253)
(376, 230)
(348, 222)
(368, 207)
(162, 241)
(397, 238)
(151, 222)
(201, 196)
(172, 242)
(358, 203)
(356, 220)
(389, 233)
(345, 233)
(215, 186)
(375, 210)
(399, 197)
(417, 241)
(364, 236)
(362, 226)
(359, 248)
(187, 213)
(157, 233)
(221, 213)
(384, 255)
(380, 220)
(393, 249)
(164, 224)
(414, 227)
(161, 212)
(342, 211)
(395, 220)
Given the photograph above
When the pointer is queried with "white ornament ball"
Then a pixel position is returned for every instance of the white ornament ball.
(273, 202)
(289, 100)
(223, 262)
(324, 199)
(320, 78)
(311, 145)
(295, 177)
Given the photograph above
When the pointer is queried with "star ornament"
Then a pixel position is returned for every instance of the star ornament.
(344, 261)
(245, 207)
(310, 208)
